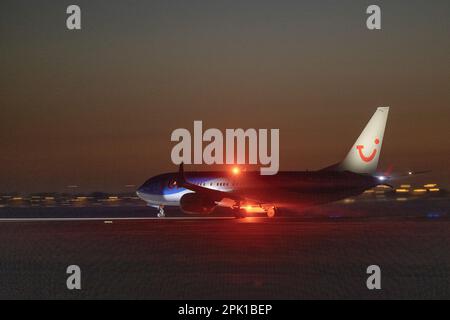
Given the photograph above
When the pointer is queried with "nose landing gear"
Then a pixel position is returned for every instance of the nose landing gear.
(161, 213)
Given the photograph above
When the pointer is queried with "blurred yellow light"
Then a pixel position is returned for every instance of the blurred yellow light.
(236, 170)
(113, 198)
(401, 190)
(17, 198)
(420, 190)
(434, 189)
(430, 185)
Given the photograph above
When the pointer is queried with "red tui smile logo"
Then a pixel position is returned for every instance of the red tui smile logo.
(372, 155)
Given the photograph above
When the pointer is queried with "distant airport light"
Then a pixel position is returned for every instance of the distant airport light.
(113, 198)
(434, 189)
(430, 185)
(420, 190)
(410, 172)
(401, 190)
(433, 215)
(17, 198)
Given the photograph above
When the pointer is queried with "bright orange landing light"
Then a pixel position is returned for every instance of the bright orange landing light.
(236, 170)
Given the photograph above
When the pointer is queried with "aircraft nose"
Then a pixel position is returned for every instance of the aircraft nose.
(150, 187)
(139, 189)
(139, 193)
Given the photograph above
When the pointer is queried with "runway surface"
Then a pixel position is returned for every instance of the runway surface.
(223, 258)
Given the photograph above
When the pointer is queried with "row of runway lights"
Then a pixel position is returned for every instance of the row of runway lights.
(78, 199)
(406, 188)
(381, 190)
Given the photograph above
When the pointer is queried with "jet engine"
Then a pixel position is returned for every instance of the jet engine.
(195, 203)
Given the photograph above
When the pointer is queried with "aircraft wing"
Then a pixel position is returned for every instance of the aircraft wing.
(407, 174)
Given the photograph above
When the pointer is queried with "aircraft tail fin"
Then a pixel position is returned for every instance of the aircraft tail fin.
(364, 155)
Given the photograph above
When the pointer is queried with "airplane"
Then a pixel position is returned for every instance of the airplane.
(243, 192)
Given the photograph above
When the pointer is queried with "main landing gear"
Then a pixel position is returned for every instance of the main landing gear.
(239, 213)
(271, 212)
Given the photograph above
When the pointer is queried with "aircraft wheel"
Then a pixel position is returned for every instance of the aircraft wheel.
(161, 213)
(271, 212)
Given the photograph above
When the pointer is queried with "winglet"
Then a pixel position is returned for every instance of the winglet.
(181, 178)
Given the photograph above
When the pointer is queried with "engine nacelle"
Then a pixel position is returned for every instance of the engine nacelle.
(195, 203)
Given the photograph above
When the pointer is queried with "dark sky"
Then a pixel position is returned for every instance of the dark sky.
(96, 107)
